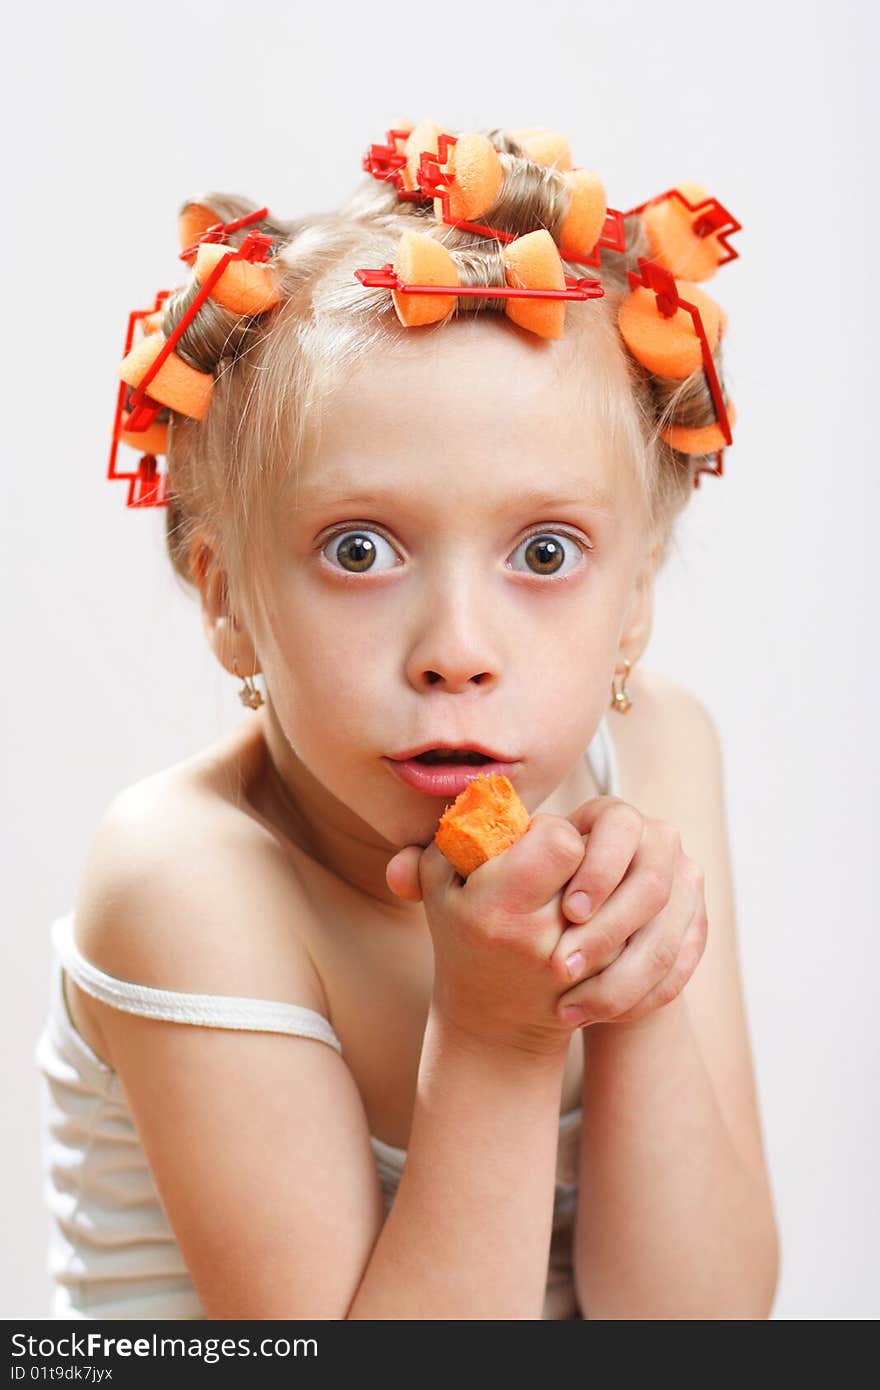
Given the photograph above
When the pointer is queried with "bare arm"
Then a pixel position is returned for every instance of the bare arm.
(676, 1224)
(678, 1220)
(469, 1233)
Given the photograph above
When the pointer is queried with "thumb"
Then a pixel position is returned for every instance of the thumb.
(402, 873)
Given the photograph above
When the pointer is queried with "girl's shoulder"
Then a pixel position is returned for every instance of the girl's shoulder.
(648, 740)
(184, 889)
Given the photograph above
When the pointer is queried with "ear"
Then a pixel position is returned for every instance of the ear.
(227, 634)
(636, 631)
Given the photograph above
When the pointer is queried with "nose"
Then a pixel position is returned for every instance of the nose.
(453, 645)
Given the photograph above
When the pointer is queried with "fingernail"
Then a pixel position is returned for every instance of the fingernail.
(575, 963)
(579, 905)
(572, 1013)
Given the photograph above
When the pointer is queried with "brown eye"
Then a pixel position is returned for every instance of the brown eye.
(357, 551)
(546, 552)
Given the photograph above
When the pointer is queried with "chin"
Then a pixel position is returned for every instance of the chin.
(422, 838)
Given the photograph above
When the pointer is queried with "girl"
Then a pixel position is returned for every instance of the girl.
(295, 1066)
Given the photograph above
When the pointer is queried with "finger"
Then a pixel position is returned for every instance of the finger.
(614, 835)
(436, 875)
(650, 954)
(531, 871)
(645, 891)
(586, 815)
(692, 947)
(402, 873)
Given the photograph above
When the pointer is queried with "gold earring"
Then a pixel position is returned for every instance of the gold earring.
(620, 699)
(248, 694)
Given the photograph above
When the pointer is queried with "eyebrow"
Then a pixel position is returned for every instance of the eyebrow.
(590, 495)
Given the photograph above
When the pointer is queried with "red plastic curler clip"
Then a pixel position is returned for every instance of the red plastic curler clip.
(716, 472)
(385, 278)
(385, 162)
(147, 486)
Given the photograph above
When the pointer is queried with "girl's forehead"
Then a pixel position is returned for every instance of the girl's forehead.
(486, 360)
(464, 393)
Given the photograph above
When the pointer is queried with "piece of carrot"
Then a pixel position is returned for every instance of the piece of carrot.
(485, 818)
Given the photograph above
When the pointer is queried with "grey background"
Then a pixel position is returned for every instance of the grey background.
(111, 117)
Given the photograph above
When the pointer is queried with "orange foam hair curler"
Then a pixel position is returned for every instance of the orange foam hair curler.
(174, 383)
(687, 231)
(671, 327)
(471, 175)
(485, 819)
(468, 182)
(245, 287)
(422, 139)
(193, 222)
(544, 146)
(668, 344)
(424, 282)
(705, 439)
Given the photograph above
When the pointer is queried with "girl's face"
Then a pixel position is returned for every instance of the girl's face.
(457, 562)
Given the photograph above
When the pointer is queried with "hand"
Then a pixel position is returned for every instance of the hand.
(494, 934)
(647, 929)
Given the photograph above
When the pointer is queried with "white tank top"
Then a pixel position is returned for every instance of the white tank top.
(112, 1253)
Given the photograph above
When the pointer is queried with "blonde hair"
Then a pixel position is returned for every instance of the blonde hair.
(273, 372)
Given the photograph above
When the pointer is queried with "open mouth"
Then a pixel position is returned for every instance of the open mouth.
(448, 756)
(447, 771)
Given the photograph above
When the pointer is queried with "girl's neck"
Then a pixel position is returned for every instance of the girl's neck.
(303, 813)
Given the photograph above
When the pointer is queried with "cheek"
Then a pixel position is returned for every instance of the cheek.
(568, 685)
(570, 653)
(327, 679)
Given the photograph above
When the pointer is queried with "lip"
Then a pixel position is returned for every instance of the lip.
(437, 780)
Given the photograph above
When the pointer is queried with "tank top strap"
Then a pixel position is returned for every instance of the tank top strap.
(175, 1006)
(603, 760)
